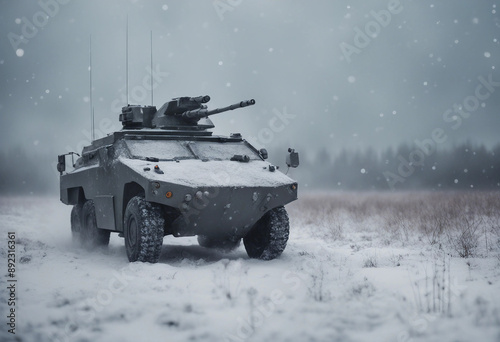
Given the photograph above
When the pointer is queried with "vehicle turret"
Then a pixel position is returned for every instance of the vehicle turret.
(183, 113)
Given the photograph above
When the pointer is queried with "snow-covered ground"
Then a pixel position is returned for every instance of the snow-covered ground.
(342, 277)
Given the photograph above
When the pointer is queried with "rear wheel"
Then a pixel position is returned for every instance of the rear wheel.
(90, 235)
(225, 245)
(268, 237)
(76, 223)
(144, 230)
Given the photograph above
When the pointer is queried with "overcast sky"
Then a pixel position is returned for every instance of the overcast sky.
(353, 74)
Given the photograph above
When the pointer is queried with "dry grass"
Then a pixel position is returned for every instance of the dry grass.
(466, 224)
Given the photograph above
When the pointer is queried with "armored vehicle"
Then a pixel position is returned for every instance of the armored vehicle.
(164, 174)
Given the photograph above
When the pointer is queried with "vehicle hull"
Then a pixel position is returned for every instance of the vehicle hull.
(217, 199)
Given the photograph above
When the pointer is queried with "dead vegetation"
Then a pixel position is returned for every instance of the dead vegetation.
(464, 224)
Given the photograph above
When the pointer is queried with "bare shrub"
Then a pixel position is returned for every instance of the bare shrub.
(434, 293)
(491, 229)
(336, 229)
(399, 225)
(371, 261)
(317, 289)
(433, 224)
(465, 238)
(396, 259)
(364, 289)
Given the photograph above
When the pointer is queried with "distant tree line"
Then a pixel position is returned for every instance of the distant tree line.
(465, 166)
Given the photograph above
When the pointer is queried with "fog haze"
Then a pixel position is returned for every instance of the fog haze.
(290, 56)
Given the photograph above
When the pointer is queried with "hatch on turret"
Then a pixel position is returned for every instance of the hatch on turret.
(134, 116)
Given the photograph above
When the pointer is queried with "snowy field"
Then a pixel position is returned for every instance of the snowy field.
(358, 267)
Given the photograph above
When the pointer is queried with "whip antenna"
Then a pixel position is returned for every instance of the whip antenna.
(151, 67)
(126, 60)
(92, 131)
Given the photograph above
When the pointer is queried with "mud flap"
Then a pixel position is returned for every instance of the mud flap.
(104, 211)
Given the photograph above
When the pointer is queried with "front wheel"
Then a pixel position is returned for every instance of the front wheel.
(90, 235)
(268, 237)
(144, 230)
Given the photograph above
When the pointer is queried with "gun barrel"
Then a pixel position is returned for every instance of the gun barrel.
(200, 99)
(197, 114)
